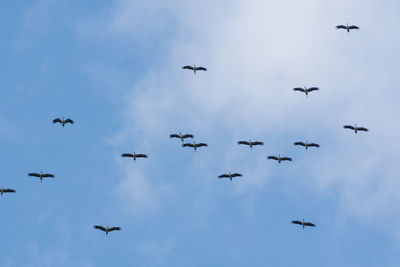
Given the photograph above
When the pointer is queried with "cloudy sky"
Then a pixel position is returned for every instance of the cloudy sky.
(115, 68)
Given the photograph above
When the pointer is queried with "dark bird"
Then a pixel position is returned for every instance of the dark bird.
(134, 156)
(250, 143)
(181, 136)
(62, 121)
(4, 190)
(230, 175)
(305, 89)
(303, 223)
(107, 229)
(347, 27)
(279, 158)
(306, 145)
(41, 175)
(194, 145)
(193, 68)
(355, 128)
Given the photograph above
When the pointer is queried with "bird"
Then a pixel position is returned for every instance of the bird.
(306, 145)
(4, 190)
(134, 156)
(62, 121)
(107, 229)
(193, 68)
(230, 175)
(279, 158)
(347, 27)
(194, 145)
(181, 136)
(355, 128)
(305, 89)
(250, 143)
(41, 175)
(303, 223)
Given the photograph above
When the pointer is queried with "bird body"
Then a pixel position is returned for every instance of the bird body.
(134, 156)
(41, 175)
(62, 121)
(181, 136)
(5, 190)
(106, 229)
(303, 223)
(250, 143)
(230, 175)
(194, 68)
(306, 145)
(194, 145)
(347, 27)
(305, 89)
(279, 158)
(355, 128)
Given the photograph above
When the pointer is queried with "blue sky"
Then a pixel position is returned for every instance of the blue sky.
(115, 68)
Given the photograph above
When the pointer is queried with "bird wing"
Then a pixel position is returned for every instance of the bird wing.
(362, 129)
(236, 174)
(313, 144)
(114, 229)
(47, 175)
(188, 144)
(309, 224)
(201, 144)
(141, 156)
(273, 157)
(187, 67)
(102, 228)
(9, 190)
(349, 127)
(341, 27)
(286, 158)
(299, 144)
(297, 222)
(127, 155)
(313, 89)
(201, 68)
(299, 89)
(244, 143)
(354, 27)
(187, 136)
(174, 136)
(57, 120)
(34, 174)
(69, 121)
(223, 176)
(257, 143)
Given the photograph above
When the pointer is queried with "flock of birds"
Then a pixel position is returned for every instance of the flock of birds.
(195, 145)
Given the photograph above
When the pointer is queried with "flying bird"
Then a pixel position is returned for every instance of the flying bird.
(230, 175)
(305, 89)
(181, 136)
(193, 68)
(355, 128)
(194, 145)
(306, 145)
(134, 156)
(303, 223)
(347, 27)
(250, 143)
(62, 121)
(107, 229)
(4, 190)
(279, 158)
(41, 175)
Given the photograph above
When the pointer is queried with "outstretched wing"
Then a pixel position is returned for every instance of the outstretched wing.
(313, 89)
(69, 121)
(299, 144)
(354, 27)
(127, 155)
(187, 67)
(114, 229)
(223, 176)
(297, 222)
(57, 120)
(141, 156)
(299, 89)
(201, 68)
(349, 127)
(341, 27)
(187, 136)
(244, 143)
(313, 144)
(188, 144)
(362, 129)
(286, 158)
(34, 174)
(99, 227)
(257, 143)
(201, 144)
(309, 224)
(8, 190)
(236, 174)
(273, 157)
(47, 175)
